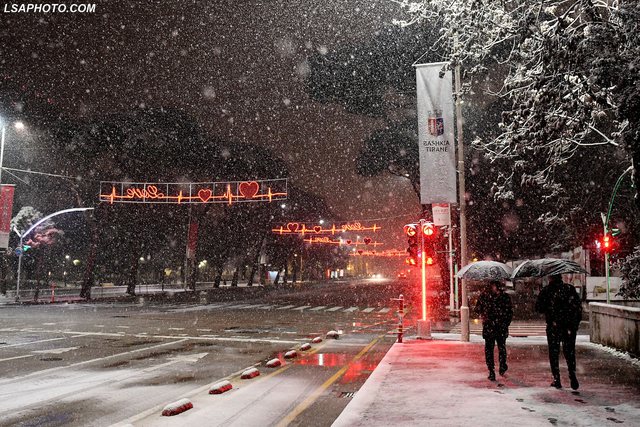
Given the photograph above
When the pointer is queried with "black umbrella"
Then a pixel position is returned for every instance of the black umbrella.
(485, 270)
(546, 267)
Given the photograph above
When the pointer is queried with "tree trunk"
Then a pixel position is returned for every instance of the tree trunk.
(132, 280)
(88, 280)
(193, 274)
(254, 268)
(286, 273)
(3, 274)
(234, 279)
(218, 277)
(296, 268)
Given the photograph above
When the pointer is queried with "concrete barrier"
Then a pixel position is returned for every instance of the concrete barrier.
(274, 363)
(333, 334)
(176, 408)
(615, 326)
(220, 387)
(250, 373)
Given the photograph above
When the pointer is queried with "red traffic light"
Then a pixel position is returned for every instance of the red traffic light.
(428, 229)
(607, 244)
(411, 229)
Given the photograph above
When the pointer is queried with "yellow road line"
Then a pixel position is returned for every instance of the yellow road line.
(314, 396)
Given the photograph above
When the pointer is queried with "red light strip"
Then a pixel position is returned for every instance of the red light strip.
(296, 228)
(197, 193)
(341, 242)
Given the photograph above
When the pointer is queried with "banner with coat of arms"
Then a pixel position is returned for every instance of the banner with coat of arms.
(435, 134)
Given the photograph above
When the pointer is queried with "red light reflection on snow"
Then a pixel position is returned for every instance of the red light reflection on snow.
(353, 372)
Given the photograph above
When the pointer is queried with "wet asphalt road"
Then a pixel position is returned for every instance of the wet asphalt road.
(102, 364)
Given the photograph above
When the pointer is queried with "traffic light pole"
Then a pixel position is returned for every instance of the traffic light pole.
(605, 223)
(424, 325)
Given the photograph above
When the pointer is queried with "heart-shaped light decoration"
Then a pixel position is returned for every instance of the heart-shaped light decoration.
(204, 194)
(249, 189)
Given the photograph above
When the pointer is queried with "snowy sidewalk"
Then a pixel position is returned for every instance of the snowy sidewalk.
(443, 382)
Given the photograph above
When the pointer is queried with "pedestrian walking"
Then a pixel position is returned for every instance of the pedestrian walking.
(496, 311)
(562, 308)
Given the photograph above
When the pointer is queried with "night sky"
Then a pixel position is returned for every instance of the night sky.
(237, 67)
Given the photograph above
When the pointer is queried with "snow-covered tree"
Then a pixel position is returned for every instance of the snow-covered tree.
(630, 268)
(569, 68)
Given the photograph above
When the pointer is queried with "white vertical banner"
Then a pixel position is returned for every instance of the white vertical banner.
(435, 134)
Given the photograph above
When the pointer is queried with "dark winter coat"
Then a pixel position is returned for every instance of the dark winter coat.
(561, 306)
(496, 312)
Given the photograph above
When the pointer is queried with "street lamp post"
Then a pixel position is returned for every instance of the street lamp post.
(605, 223)
(26, 233)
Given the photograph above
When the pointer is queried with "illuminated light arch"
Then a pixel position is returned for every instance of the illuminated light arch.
(341, 242)
(193, 192)
(318, 229)
(389, 253)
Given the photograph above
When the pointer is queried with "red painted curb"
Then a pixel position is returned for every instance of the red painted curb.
(250, 373)
(221, 387)
(176, 408)
(333, 334)
(274, 363)
(290, 354)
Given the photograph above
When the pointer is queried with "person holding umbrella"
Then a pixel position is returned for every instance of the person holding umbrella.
(495, 308)
(562, 308)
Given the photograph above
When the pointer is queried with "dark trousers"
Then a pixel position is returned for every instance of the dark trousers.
(556, 336)
(489, 343)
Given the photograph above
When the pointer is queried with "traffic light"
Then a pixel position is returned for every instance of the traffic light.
(607, 243)
(415, 231)
(428, 230)
(413, 250)
(25, 248)
(411, 230)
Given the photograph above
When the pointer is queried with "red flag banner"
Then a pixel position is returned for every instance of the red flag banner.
(193, 240)
(6, 208)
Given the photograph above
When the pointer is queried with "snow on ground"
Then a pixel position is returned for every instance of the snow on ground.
(443, 382)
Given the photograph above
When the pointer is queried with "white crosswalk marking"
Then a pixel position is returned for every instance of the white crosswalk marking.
(350, 309)
(238, 306)
(334, 308)
(368, 309)
(318, 308)
(267, 307)
(516, 329)
(252, 306)
(385, 310)
(286, 307)
(301, 308)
